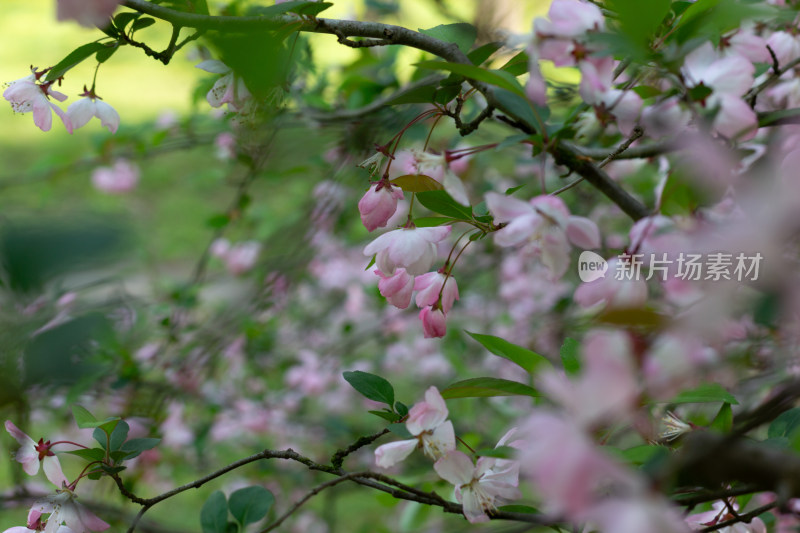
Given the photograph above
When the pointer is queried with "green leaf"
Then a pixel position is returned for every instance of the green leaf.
(218, 221)
(517, 65)
(83, 418)
(142, 23)
(250, 504)
(706, 393)
(214, 514)
(785, 424)
(569, 356)
(639, 455)
(442, 203)
(91, 454)
(482, 53)
(386, 415)
(492, 77)
(501, 452)
(529, 360)
(639, 20)
(401, 408)
(400, 430)
(423, 94)
(520, 107)
(429, 222)
(784, 116)
(74, 58)
(102, 55)
(301, 7)
(134, 447)
(125, 18)
(723, 422)
(371, 386)
(112, 469)
(119, 435)
(461, 34)
(417, 183)
(485, 387)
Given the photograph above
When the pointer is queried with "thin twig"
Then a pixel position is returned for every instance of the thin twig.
(338, 458)
(746, 518)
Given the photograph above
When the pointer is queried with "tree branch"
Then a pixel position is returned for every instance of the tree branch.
(399, 35)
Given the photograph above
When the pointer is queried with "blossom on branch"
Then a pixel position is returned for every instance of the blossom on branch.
(427, 422)
(379, 204)
(32, 453)
(26, 95)
(82, 111)
(229, 89)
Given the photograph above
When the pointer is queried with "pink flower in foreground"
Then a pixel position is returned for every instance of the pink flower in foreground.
(479, 487)
(378, 204)
(427, 422)
(91, 105)
(720, 513)
(434, 323)
(27, 95)
(120, 178)
(86, 12)
(410, 248)
(396, 288)
(431, 286)
(64, 509)
(229, 89)
(613, 293)
(32, 453)
(546, 224)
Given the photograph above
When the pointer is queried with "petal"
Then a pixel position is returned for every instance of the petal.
(53, 472)
(390, 454)
(81, 112)
(18, 434)
(89, 519)
(506, 208)
(63, 116)
(42, 114)
(583, 232)
(455, 188)
(473, 510)
(213, 66)
(108, 116)
(518, 230)
(442, 440)
(455, 467)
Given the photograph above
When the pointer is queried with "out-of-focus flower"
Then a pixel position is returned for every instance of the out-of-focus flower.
(91, 105)
(32, 453)
(229, 89)
(612, 292)
(720, 512)
(478, 486)
(225, 143)
(378, 204)
(427, 422)
(546, 224)
(122, 177)
(238, 258)
(64, 509)
(87, 13)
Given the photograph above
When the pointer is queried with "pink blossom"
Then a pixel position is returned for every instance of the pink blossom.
(545, 223)
(83, 110)
(32, 453)
(637, 514)
(786, 47)
(64, 509)
(225, 143)
(535, 87)
(229, 89)
(613, 293)
(479, 488)
(570, 18)
(27, 95)
(242, 257)
(433, 284)
(427, 422)
(87, 13)
(122, 177)
(378, 204)
(434, 323)
(396, 288)
(410, 248)
(665, 118)
(719, 513)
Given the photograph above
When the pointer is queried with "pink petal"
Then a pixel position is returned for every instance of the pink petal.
(505, 208)
(583, 232)
(455, 467)
(392, 453)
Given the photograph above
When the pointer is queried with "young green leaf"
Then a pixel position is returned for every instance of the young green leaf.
(529, 360)
(416, 183)
(250, 504)
(83, 418)
(72, 59)
(371, 386)
(442, 203)
(723, 422)
(706, 393)
(461, 34)
(485, 387)
(214, 514)
(134, 447)
(90, 454)
(492, 77)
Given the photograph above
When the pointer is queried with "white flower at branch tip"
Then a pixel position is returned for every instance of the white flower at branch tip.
(87, 13)
(479, 486)
(427, 422)
(31, 454)
(82, 111)
(27, 95)
(229, 89)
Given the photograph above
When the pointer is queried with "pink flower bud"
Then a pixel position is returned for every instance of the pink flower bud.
(396, 288)
(433, 322)
(430, 285)
(379, 204)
